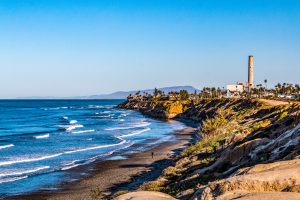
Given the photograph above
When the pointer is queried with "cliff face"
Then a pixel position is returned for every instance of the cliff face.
(247, 149)
(158, 109)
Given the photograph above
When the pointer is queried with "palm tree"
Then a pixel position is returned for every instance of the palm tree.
(266, 81)
(219, 92)
(278, 88)
(259, 86)
(213, 92)
(289, 89)
(266, 84)
(284, 88)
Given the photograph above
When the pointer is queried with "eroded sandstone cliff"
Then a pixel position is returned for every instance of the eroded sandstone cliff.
(247, 149)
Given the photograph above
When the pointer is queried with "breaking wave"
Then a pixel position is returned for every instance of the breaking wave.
(24, 172)
(42, 136)
(6, 146)
(26, 160)
(135, 133)
(84, 131)
(144, 124)
(73, 121)
(6, 180)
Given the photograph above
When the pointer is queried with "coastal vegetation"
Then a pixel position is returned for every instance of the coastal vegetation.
(96, 193)
(284, 91)
(239, 141)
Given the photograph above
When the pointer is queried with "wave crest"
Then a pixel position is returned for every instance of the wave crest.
(6, 146)
(144, 124)
(42, 136)
(6, 180)
(26, 160)
(135, 133)
(24, 172)
(84, 131)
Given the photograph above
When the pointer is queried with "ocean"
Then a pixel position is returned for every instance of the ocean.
(42, 141)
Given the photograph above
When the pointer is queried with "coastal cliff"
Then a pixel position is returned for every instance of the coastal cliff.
(157, 109)
(248, 149)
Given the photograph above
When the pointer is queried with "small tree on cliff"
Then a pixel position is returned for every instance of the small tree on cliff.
(157, 93)
(184, 95)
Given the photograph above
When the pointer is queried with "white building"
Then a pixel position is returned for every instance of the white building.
(236, 90)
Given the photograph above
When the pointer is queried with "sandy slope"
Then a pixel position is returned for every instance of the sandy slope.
(143, 195)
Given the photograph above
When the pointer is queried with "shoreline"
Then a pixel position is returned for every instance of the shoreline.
(111, 176)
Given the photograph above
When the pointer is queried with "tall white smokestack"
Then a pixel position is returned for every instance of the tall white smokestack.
(250, 73)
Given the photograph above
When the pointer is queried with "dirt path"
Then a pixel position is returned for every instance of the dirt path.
(274, 102)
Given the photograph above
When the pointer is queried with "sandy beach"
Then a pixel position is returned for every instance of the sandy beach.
(115, 175)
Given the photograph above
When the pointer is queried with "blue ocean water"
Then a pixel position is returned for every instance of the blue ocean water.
(41, 141)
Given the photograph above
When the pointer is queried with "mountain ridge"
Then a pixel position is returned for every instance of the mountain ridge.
(119, 94)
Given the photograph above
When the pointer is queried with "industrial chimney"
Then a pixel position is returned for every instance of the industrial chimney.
(250, 73)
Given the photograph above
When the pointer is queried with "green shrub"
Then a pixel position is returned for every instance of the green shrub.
(153, 186)
(96, 193)
(198, 147)
(211, 125)
(119, 193)
(261, 124)
(171, 172)
(283, 115)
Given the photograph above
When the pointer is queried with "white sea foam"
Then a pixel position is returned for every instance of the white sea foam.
(73, 121)
(135, 133)
(95, 106)
(84, 131)
(144, 124)
(96, 147)
(6, 180)
(71, 163)
(70, 167)
(6, 146)
(77, 163)
(72, 127)
(65, 117)
(107, 111)
(41, 136)
(26, 160)
(57, 108)
(18, 173)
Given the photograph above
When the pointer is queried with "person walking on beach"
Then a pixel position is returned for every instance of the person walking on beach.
(152, 154)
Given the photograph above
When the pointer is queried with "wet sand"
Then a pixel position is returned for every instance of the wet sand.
(115, 175)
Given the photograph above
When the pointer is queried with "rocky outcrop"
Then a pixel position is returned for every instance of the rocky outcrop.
(157, 109)
(285, 146)
(275, 177)
(234, 156)
(145, 196)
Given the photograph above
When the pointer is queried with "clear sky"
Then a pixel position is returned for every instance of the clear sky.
(84, 47)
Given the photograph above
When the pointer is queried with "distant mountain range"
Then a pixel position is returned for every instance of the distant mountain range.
(123, 94)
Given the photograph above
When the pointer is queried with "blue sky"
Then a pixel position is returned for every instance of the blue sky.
(82, 47)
